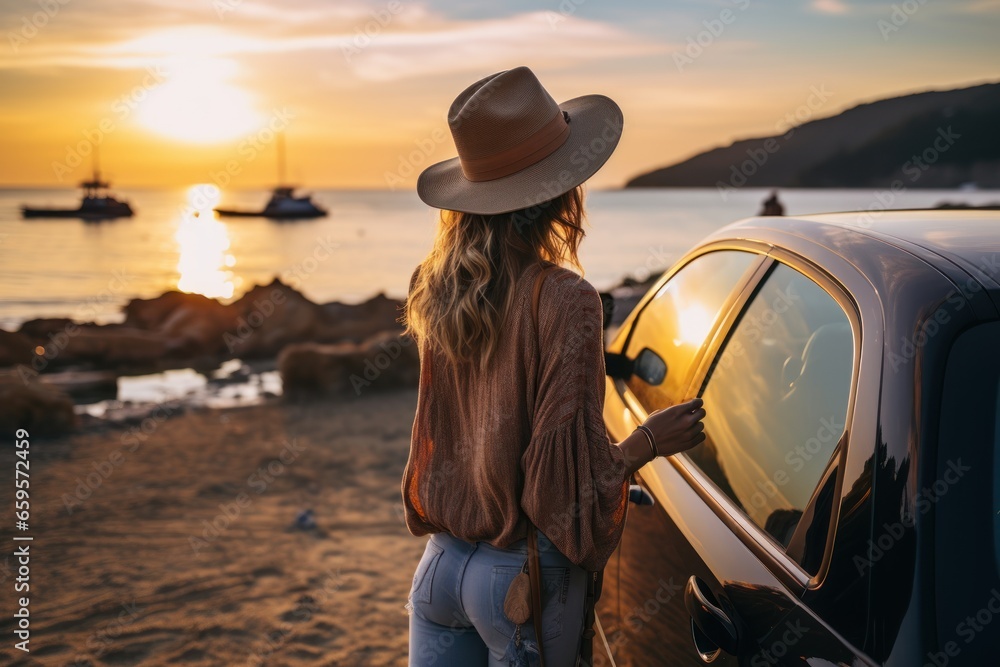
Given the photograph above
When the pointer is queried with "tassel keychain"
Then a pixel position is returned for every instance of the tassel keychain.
(520, 651)
(517, 608)
(517, 603)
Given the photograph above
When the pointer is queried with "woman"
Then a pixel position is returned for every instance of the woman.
(509, 427)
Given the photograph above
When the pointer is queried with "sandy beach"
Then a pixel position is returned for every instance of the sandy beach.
(174, 540)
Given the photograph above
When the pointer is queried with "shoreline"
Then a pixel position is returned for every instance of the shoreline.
(185, 546)
(14, 324)
(185, 351)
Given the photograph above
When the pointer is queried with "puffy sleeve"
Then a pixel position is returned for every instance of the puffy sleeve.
(575, 486)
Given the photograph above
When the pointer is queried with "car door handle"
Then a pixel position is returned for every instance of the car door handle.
(711, 627)
(640, 496)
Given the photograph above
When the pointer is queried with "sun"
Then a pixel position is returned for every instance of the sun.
(198, 104)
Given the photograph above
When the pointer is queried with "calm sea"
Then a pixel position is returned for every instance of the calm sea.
(369, 243)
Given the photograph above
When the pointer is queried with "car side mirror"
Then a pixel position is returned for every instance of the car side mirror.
(648, 366)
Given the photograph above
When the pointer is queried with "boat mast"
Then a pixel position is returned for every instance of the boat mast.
(281, 158)
(92, 188)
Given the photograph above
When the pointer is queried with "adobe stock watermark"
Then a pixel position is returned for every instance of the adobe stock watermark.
(925, 499)
(753, 326)
(820, 444)
(968, 629)
(102, 639)
(295, 275)
(913, 169)
(704, 39)
(32, 25)
(58, 341)
(583, 158)
(565, 9)
(758, 156)
(258, 482)
(305, 608)
(264, 307)
(640, 615)
(121, 109)
(954, 302)
(772, 653)
(101, 470)
(248, 149)
(365, 34)
(899, 16)
(410, 162)
(374, 368)
(425, 147)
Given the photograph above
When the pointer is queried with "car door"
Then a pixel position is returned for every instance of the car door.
(663, 338)
(742, 525)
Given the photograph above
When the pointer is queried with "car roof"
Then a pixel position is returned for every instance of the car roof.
(969, 239)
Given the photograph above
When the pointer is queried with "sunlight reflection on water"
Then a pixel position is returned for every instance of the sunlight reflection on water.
(204, 263)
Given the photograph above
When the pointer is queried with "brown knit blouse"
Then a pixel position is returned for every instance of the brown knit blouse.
(488, 448)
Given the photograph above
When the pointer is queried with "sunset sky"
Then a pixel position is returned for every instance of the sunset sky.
(183, 92)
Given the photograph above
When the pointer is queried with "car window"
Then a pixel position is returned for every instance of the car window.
(996, 481)
(675, 323)
(776, 400)
(959, 497)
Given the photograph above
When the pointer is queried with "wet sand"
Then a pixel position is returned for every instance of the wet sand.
(173, 541)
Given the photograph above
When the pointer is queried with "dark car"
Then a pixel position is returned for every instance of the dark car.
(844, 508)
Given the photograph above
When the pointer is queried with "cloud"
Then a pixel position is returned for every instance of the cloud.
(551, 38)
(373, 45)
(837, 7)
(982, 7)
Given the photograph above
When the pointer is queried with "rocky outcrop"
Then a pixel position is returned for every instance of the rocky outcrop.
(382, 362)
(176, 327)
(15, 348)
(905, 141)
(190, 325)
(267, 318)
(361, 321)
(34, 407)
(58, 343)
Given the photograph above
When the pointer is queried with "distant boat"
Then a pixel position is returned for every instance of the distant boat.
(97, 203)
(283, 205)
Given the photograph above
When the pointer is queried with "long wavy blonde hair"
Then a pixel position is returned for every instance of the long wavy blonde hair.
(463, 289)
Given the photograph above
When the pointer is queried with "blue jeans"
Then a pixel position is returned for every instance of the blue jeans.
(456, 604)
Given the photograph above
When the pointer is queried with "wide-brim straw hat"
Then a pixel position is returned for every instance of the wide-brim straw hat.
(517, 147)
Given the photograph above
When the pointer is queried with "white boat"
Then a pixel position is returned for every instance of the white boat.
(283, 204)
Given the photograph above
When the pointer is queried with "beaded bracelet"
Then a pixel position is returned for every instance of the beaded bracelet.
(649, 436)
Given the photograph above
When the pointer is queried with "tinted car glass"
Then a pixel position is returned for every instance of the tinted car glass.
(996, 482)
(776, 401)
(959, 498)
(676, 322)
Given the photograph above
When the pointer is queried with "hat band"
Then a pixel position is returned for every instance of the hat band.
(538, 146)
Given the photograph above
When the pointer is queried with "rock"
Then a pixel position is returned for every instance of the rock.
(15, 348)
(152, 314)
(112, 345)
(45, 327)
(363, 320)
(183, 326)
(39, 409)
(271, 317)
(192, 325)
(382, 362)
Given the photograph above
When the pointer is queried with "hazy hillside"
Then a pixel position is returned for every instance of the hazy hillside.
(939, 139)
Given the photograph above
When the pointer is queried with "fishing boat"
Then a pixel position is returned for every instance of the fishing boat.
(283, 204)
(97, 204)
